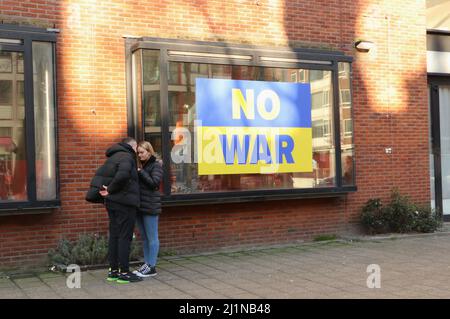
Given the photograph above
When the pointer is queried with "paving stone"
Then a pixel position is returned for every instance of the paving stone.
(55, 282)
(5, 284)
(410, 268)
(246, 296)
(48, 275)
(11, 293)
(200, 293)
(29, 283)
(166, 294)
(40, 293)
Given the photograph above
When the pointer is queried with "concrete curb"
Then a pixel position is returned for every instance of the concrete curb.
(340, 239)
(394, 236)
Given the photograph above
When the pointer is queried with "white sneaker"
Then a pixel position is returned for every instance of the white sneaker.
(146, 271)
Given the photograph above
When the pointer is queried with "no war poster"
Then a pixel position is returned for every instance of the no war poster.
(253, 127)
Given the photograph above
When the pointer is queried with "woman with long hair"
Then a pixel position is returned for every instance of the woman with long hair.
(150, 175)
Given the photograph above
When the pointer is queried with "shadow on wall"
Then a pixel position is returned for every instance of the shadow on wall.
(389, 103)
(389, 88)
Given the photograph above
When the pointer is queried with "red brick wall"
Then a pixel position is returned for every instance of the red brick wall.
(390, 110)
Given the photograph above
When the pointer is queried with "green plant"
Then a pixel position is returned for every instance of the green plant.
(167, 253)
(89, 249)
(426, 220)
(400, 215)
(373, 216)
(62, 253)
(325, 237)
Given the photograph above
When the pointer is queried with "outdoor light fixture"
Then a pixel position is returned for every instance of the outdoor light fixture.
(364, 46)
(55, 30)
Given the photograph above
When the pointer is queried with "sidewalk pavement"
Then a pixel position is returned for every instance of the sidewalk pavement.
(410, 267)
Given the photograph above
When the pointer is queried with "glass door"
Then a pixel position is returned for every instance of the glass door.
(444, 115)
(432, 142)
(439, 100)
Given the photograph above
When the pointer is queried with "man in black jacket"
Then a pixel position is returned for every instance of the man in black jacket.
(121, 200)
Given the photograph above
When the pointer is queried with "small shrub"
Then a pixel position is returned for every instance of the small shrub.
(373, 216)
(89, 249)
(400, 215)
(62, 253)
(100, 250)
(426, 220)
(84, 250)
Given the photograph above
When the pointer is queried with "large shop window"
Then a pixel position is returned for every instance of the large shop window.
(163, 109)
(28, 175)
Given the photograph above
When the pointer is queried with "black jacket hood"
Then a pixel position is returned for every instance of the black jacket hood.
(119, 147)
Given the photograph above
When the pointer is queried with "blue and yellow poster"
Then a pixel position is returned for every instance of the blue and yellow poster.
(253, 127)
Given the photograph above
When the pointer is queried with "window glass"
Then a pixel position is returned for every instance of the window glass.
(13, 166)
(345, 107)
(181, 99)
(152, 105)
(6, 98)
(345, 97)
(27, 95)
(444, 128)
(6, 62)
(44, 120)
(322, 138)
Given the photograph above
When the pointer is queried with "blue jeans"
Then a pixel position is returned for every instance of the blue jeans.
(148, 228)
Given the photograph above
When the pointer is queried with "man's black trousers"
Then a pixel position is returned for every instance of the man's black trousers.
(121, 226)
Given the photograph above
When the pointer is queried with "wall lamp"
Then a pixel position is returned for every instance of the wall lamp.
(364, 46)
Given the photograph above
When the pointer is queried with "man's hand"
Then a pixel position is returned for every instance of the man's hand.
(104, 191)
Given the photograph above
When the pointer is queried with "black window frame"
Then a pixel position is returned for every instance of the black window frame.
(28, 35)
(293, 58)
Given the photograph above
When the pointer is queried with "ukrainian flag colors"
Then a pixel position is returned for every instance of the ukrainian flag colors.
(253, 127)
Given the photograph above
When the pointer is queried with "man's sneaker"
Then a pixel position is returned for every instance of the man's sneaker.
(125, 278)
(146, 271)
(113, 275)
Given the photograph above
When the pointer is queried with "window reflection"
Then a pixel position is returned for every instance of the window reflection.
(13, 168)
(44, 118)
(151, 98)
(181, 104)
(345, 108)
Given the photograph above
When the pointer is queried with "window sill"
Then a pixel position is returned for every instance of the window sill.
(28, 208)
(253, 196)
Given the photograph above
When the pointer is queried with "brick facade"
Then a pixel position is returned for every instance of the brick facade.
(389, 100)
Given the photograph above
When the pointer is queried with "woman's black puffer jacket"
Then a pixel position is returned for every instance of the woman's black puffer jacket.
(150, 177)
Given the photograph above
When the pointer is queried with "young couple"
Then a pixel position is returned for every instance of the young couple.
(132, 196)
